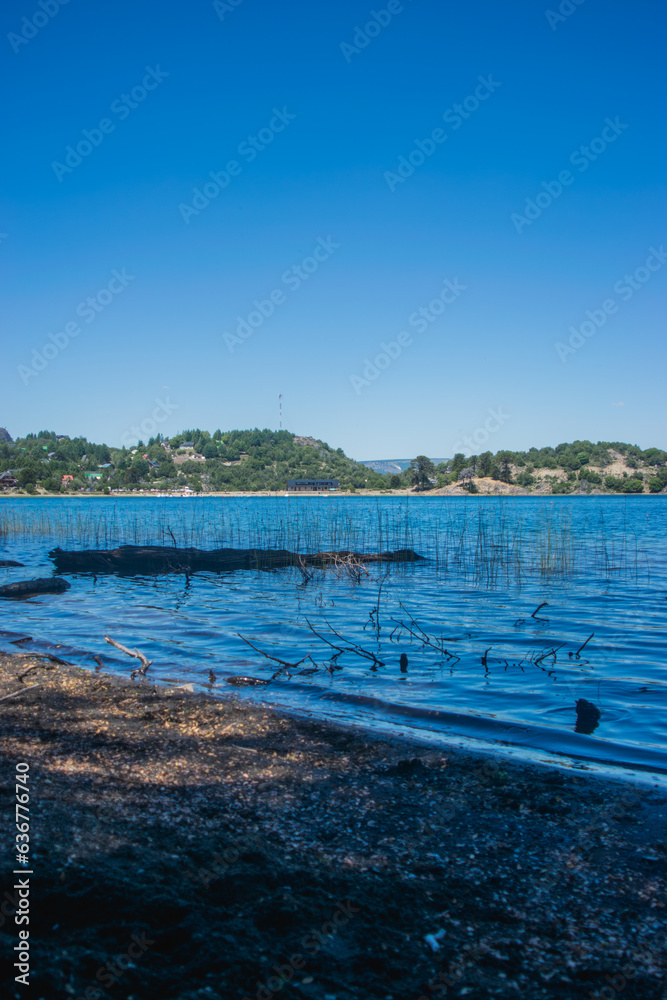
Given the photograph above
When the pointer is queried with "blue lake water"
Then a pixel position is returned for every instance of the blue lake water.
(508, 681)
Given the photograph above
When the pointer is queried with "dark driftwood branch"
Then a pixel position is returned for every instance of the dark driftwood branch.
(133, 560)
(33, 588)
(35, 666)
(522, 621)
(145, 662)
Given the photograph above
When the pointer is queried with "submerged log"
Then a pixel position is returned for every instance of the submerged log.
(140, 560)
(30, 588)
(6, 563)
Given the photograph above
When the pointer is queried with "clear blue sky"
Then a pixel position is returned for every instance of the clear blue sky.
(198, 82)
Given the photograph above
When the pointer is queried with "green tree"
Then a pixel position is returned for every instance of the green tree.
(485, 464)
(27, 476)
(458, 463)
(421, 468)
(505, 457)
(142, 467)
(132, 475)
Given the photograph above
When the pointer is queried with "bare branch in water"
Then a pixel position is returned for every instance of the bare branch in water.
(145, 662)
(585, 644)
(426, 640)
(522, 621)
(549, 652)
(349, 648)
(284, 664)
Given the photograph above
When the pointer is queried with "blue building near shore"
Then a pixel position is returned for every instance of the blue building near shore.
(311, 485)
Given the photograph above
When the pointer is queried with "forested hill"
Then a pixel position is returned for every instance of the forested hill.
(231, 460)
(264, 460)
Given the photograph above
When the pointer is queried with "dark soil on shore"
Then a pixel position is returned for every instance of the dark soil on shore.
(223, 846)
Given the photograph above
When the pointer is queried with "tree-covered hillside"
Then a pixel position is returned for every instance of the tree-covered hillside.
(222, 461)
(254, 460)
(607, 467)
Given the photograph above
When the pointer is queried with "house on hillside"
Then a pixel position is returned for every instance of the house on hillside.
(8, 480)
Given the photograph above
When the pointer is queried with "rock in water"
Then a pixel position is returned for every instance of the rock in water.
(588, 717)
(30, 588)
(245, 681)
(404, 663)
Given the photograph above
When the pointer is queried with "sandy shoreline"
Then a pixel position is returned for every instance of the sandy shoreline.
(234, 839)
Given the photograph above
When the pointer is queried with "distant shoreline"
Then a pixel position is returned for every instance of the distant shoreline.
(279, 494)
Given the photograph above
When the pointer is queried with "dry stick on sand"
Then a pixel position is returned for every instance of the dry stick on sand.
(145, 662)
(47, 656)
(22, 691)
(35, 666)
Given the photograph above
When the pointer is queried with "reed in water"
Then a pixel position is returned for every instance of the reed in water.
(482, 543)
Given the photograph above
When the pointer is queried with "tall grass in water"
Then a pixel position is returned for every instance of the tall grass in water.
(479, 543)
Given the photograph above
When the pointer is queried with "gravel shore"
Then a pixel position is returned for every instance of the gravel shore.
(189, 847)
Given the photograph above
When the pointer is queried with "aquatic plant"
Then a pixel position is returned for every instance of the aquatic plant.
(484, 543)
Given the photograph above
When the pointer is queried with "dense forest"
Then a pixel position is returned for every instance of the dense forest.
(264, 460)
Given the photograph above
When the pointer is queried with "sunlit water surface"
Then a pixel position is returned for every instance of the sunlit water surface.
(599, 562)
